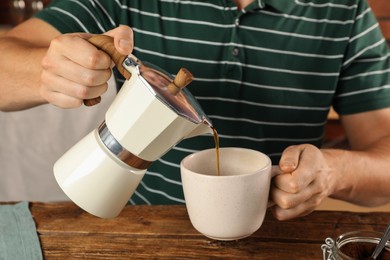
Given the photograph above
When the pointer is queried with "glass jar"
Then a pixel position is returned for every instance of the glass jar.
(354, 245)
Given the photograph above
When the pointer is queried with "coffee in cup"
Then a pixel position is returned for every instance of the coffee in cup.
(230, 206)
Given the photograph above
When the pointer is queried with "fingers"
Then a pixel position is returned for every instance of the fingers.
(74, 70)
(287, 200)
(94, 69)
(302, 185)
(75, 48)
(300, 210)
(66, 93)
(297, 164)
(123, 39)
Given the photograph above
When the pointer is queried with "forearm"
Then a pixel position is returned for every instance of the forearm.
(20, 71)
(361, 177)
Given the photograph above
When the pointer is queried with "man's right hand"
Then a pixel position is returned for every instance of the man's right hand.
(74, 70)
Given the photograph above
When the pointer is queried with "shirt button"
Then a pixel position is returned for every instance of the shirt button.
(235, 51)
(237, 22)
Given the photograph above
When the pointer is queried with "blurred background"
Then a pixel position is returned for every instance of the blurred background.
(13, 12)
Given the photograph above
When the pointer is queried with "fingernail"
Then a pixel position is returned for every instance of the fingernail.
(125, 44)
(288, 166)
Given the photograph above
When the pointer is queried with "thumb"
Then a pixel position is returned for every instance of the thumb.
(123, 39)
(290, 158)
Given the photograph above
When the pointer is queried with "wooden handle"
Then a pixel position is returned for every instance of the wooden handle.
(182, 79)
(106, 44)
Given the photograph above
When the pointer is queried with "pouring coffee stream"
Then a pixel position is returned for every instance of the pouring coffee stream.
(152, 112)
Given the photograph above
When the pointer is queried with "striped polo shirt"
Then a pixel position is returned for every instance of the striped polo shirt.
(266, 75)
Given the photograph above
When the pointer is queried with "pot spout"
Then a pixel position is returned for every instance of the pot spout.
(202, 128)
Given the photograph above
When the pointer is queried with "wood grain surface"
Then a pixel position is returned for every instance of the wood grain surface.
(165, 232)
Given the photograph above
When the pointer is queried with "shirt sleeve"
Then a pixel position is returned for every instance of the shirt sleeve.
(364, 82)
(81, 15)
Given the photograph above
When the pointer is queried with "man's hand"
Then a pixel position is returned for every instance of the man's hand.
(74, 70)
(301, 182)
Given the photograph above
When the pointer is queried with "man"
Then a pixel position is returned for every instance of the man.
(266, 73)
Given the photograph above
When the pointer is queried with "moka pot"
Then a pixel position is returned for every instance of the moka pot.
(151, 113)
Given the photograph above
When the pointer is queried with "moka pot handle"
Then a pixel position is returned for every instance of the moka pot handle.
(106, 44)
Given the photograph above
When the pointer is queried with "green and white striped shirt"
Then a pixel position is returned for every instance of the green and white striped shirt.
(266, 76)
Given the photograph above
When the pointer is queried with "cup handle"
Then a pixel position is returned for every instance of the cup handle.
(106, 44)
(274, 172)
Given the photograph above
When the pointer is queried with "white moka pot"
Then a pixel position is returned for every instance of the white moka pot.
(151, 113)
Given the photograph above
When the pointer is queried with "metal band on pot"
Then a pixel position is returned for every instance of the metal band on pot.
(119, 151)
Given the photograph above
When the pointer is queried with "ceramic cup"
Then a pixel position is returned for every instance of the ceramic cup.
(230, 206)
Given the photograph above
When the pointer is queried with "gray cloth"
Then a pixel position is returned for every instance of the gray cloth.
(31, 142)
(18, 235)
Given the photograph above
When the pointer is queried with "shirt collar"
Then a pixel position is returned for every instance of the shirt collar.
(279, 5)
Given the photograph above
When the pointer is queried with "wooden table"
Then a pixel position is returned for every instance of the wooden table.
(165, 232)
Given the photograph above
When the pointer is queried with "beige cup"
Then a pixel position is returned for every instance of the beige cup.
(230, 206)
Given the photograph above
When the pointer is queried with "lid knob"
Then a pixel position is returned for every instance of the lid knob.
(182, 79)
